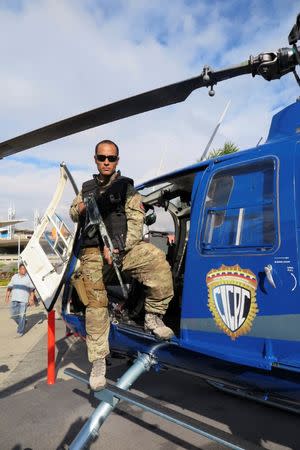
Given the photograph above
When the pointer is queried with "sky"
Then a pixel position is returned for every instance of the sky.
(63, 57)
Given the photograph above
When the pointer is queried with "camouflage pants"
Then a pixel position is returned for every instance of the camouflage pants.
(145, 263)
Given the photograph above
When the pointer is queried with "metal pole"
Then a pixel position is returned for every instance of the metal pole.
(51, 348)
(90, 429)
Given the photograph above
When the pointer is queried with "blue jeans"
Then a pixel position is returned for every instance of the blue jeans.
(18, 314)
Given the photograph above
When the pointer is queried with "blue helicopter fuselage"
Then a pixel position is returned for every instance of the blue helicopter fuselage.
(240, 307)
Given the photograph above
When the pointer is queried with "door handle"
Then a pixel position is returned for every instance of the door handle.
(268, 271)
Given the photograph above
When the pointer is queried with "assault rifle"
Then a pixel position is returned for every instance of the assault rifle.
(96, 219)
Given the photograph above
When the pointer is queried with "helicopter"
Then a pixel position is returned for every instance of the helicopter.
(235, 259)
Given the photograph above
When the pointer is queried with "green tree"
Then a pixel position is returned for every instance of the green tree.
(228, 147)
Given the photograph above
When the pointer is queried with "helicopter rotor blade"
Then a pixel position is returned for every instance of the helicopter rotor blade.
(157, 98)
(268, 65)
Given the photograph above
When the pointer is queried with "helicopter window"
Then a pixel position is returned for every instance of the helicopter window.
(218, 195)
(240, 209)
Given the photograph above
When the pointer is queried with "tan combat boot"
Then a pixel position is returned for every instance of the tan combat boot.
(97, 377)
(154, 323)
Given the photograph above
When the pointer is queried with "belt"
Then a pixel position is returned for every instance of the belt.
(90, 250)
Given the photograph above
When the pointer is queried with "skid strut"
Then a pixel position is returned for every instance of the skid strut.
(112, 394)
(90, 429)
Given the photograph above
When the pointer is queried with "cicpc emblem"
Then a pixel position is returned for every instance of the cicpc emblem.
(232, 299)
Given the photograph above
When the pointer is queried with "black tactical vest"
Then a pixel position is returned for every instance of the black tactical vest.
(111, 201)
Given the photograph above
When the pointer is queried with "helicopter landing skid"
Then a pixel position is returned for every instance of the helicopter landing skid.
(112, 394)
(258, 396)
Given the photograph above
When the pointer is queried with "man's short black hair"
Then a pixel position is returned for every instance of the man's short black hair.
(22, 265)
(107, 141)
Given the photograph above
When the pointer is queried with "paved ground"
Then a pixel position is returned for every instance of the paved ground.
(40, 417)
(24, 360)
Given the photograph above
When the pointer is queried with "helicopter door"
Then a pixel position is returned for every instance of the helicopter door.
(47, 253)
(237, 283)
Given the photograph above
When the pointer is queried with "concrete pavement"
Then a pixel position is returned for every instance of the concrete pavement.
(14, 349)
(40, 417)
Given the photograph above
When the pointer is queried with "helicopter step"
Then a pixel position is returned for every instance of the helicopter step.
(112, 394)
(266, 398)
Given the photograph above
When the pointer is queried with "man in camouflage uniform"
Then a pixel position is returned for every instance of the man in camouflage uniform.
(123, 214)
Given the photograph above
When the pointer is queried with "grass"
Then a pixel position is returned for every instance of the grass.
(4, 282)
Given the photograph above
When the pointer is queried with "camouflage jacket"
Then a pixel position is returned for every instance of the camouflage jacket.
(134, 211)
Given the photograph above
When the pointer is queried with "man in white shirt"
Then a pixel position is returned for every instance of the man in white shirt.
(20, 291)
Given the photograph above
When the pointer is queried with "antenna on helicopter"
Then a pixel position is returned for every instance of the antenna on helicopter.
(259, 141)
(215, 131)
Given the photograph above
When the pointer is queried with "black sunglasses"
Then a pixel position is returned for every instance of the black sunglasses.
(111, 158)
